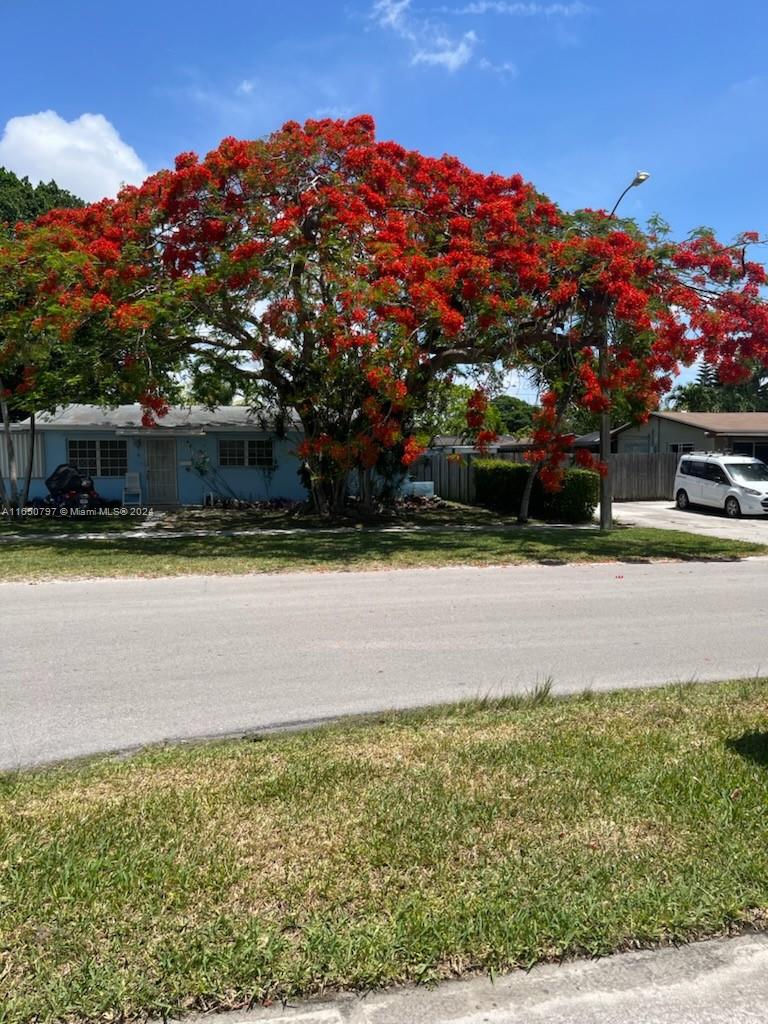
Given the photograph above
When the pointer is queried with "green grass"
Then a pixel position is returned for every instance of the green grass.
(404, 847)
(348, 550)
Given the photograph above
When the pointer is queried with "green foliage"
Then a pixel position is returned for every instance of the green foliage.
(21, 200)
(708, 394)
(577, 500)
(499, 485)
(579, 420)
(446, 413)
(516, 415)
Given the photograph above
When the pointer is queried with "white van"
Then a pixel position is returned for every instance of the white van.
(737, 484)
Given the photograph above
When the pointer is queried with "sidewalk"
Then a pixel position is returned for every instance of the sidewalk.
(723, 981)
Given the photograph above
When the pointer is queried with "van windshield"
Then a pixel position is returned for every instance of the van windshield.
(746, 472)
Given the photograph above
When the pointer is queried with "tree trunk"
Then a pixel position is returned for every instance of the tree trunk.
(5, 504)
(525, 501)
(13, 476)
(328, 490)
(30, 460)
(365, 476)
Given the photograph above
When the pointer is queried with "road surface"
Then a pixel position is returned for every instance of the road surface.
(110, 664)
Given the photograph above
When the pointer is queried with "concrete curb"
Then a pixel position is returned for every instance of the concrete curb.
(713, 982)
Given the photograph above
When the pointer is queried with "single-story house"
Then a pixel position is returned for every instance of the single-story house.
(743, 433)
(190, 454)
(448, 444)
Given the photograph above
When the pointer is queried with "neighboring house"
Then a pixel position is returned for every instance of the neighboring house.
(191, 453)
(446, 444)
(744, 433)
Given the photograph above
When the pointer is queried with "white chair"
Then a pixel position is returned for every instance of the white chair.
(131, 489)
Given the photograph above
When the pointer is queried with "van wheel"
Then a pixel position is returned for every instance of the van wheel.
(732, 508)
(682, 500)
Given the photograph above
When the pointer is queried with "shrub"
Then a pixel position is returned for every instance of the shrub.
(577, 500)
(499, 485)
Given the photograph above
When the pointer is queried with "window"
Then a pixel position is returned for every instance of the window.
(680, 449)
(252, 452)
(747, 472)
(714, 474)
(99, 458)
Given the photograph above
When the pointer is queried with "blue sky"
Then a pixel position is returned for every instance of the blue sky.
(576, 96)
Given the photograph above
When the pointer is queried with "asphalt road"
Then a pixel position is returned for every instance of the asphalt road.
(110, 664)
(719, 982)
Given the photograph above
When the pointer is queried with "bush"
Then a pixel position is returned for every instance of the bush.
(577, 500)
(499, 485)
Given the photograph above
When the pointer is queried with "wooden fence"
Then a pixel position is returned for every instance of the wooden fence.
(643, 477)
(635, 476)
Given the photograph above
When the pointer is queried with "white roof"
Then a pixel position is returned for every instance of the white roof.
(179, 419)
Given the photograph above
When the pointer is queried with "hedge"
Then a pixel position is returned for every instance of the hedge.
(499, 485)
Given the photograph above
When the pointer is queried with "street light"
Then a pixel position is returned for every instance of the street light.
(638, 179)
(606, 490)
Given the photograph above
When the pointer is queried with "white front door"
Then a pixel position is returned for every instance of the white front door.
(162, 484)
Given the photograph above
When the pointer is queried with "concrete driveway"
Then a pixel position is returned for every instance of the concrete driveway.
(665, 515)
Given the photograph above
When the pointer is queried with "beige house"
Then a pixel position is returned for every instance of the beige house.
(743, 433)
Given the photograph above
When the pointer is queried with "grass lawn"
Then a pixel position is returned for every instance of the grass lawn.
(402, 847)
(116, 555)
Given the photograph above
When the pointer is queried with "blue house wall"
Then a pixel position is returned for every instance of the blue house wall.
(245, 482)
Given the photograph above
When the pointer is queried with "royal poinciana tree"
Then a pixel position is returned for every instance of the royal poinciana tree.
(319, 271)
(326, 274)
(648, 304)
(20, 201)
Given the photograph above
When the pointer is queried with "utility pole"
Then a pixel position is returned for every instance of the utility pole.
(606, 483)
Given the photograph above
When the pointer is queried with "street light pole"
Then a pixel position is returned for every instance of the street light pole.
(606, 483)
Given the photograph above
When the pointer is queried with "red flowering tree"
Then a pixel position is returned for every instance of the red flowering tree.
(319, 271)
(42, 365)
(648, 304)
(324, 273)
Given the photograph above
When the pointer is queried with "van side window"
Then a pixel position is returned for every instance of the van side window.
(685, 467)
(714, 474)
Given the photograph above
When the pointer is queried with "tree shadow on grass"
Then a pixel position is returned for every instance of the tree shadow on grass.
(753, 746)
(359, 549)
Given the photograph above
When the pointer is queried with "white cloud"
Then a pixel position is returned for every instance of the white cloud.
(525, 10)
(246, 87)
(447, 53)
(86, 155)
(393, 14)
(431, 44)
(336, 113)
(506, 69)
